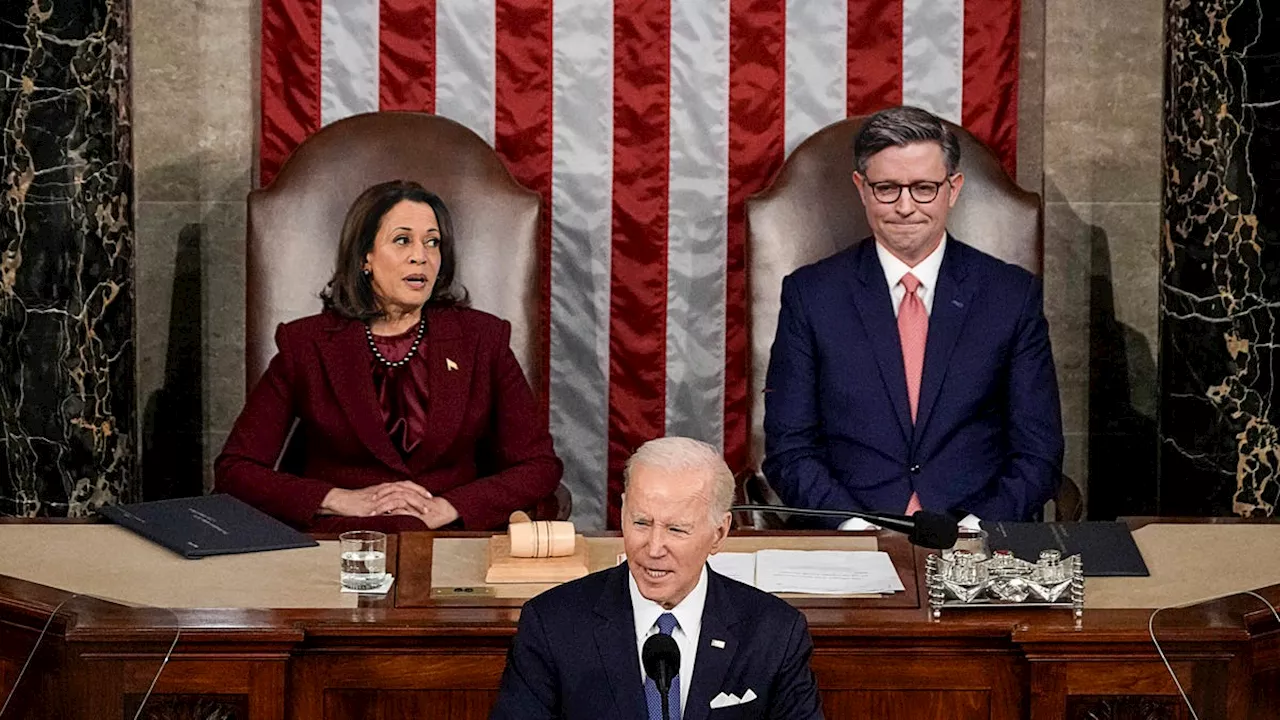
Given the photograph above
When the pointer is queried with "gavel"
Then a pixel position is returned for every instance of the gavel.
(540, 538)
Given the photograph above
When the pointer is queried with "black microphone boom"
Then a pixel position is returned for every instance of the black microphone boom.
(926, 529)
(661, 658)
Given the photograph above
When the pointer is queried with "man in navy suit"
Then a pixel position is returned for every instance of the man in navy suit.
(743, 653)
(912, 370)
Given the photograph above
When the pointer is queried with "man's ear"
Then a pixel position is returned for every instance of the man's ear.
(858, 180)
(722, 533)
(957, 181)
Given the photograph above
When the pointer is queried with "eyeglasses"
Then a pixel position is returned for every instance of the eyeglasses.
(922, 192)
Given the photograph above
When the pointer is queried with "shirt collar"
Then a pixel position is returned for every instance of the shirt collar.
(926, 271)
(688, 613)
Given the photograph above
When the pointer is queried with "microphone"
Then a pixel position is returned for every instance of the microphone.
(927, 529)
(661, 658)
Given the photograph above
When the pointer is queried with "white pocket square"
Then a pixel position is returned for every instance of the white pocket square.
(729, 699)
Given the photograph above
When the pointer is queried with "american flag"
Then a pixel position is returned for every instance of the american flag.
(644, 125)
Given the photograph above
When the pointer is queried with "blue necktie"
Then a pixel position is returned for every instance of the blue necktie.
(666, 623)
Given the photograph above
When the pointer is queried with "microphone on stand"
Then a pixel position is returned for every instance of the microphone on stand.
(661, 658)
(927, 529)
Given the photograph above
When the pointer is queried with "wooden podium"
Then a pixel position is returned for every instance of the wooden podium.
(432, 651)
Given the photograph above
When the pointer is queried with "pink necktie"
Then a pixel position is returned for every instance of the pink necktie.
(913, 331)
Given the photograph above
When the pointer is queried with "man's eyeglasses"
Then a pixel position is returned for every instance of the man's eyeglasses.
(922, 192)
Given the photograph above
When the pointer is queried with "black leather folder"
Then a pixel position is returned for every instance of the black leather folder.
(195, 527)
(1106, 549)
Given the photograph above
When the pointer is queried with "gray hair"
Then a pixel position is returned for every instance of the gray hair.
(682, 454)
(901, 126)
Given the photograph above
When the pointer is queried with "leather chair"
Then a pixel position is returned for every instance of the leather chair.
(294, 223)
(812, 210)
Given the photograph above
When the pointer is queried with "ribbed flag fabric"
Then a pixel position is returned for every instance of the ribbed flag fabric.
(644, 125)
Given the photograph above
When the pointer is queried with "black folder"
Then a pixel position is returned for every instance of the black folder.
(1106, 549)
(195, 527)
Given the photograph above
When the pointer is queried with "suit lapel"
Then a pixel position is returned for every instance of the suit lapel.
(875, 307)
(712, 664)
(347, 363)
(951, 301)
(616, 642)
(450, 358)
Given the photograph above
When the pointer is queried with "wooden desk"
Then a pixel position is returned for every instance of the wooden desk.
(411, 655)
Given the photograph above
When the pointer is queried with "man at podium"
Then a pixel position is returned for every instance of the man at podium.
(578, 651)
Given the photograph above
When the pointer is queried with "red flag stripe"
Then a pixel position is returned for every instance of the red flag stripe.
(638, 293)
(407, 55)
(874, 56)
(290, 80)
(522, 127)
(757, 74)
(990, 95)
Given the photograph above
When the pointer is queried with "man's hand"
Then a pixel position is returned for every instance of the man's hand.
(397, 498)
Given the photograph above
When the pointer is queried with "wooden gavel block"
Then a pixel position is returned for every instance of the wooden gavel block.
(538, 551)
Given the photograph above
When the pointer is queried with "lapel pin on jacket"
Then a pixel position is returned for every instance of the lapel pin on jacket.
(450, 364)
(717, 644)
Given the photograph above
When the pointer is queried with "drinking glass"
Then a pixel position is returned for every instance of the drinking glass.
(364, 559)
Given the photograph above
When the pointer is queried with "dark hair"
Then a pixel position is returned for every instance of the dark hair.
(901, 126)
(349, 292)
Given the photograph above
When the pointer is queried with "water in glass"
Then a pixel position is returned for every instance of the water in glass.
(363, 569)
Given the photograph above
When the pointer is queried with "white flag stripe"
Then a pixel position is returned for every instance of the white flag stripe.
(348, 58)
(581, 245)
(465, 63)
(697, 229)
(933, 56)
(581, 248)
(817, 55)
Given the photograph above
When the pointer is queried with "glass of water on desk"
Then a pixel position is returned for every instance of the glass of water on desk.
(364, 559)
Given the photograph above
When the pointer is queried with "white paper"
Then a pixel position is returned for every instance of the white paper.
(857, 525)
(739, 566)
(826, 572)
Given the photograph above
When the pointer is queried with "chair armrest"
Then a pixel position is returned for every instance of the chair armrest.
(751, 488)
(556, 506)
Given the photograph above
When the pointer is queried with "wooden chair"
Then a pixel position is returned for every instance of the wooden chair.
(811, 211)
(294, 224)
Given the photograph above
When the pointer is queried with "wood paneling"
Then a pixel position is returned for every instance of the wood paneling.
(907, 704)
(396, 704)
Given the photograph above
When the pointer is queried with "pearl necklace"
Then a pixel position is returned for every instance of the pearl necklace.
(413, 349)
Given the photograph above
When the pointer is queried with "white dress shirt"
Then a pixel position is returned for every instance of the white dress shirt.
(689, 616)
(926, 271)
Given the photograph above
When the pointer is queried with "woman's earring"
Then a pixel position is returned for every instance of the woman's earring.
(366, 272)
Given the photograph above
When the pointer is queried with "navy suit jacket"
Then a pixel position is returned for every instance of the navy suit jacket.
(574, 655)
(988, 434)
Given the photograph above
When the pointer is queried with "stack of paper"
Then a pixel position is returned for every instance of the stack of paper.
(819, 572)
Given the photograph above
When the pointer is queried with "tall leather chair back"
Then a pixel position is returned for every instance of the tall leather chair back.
(812, 210)
(295, 222)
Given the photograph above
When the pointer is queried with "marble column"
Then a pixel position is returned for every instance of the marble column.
(1220, 260)
(66, 252)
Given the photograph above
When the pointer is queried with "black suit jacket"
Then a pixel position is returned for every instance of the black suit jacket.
(574, 656)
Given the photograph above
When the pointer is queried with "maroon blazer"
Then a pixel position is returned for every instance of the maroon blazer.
(487, 449)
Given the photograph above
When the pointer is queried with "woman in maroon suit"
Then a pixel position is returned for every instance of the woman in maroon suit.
(412, 410)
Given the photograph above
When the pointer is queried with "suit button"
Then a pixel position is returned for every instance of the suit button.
(915, 469)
